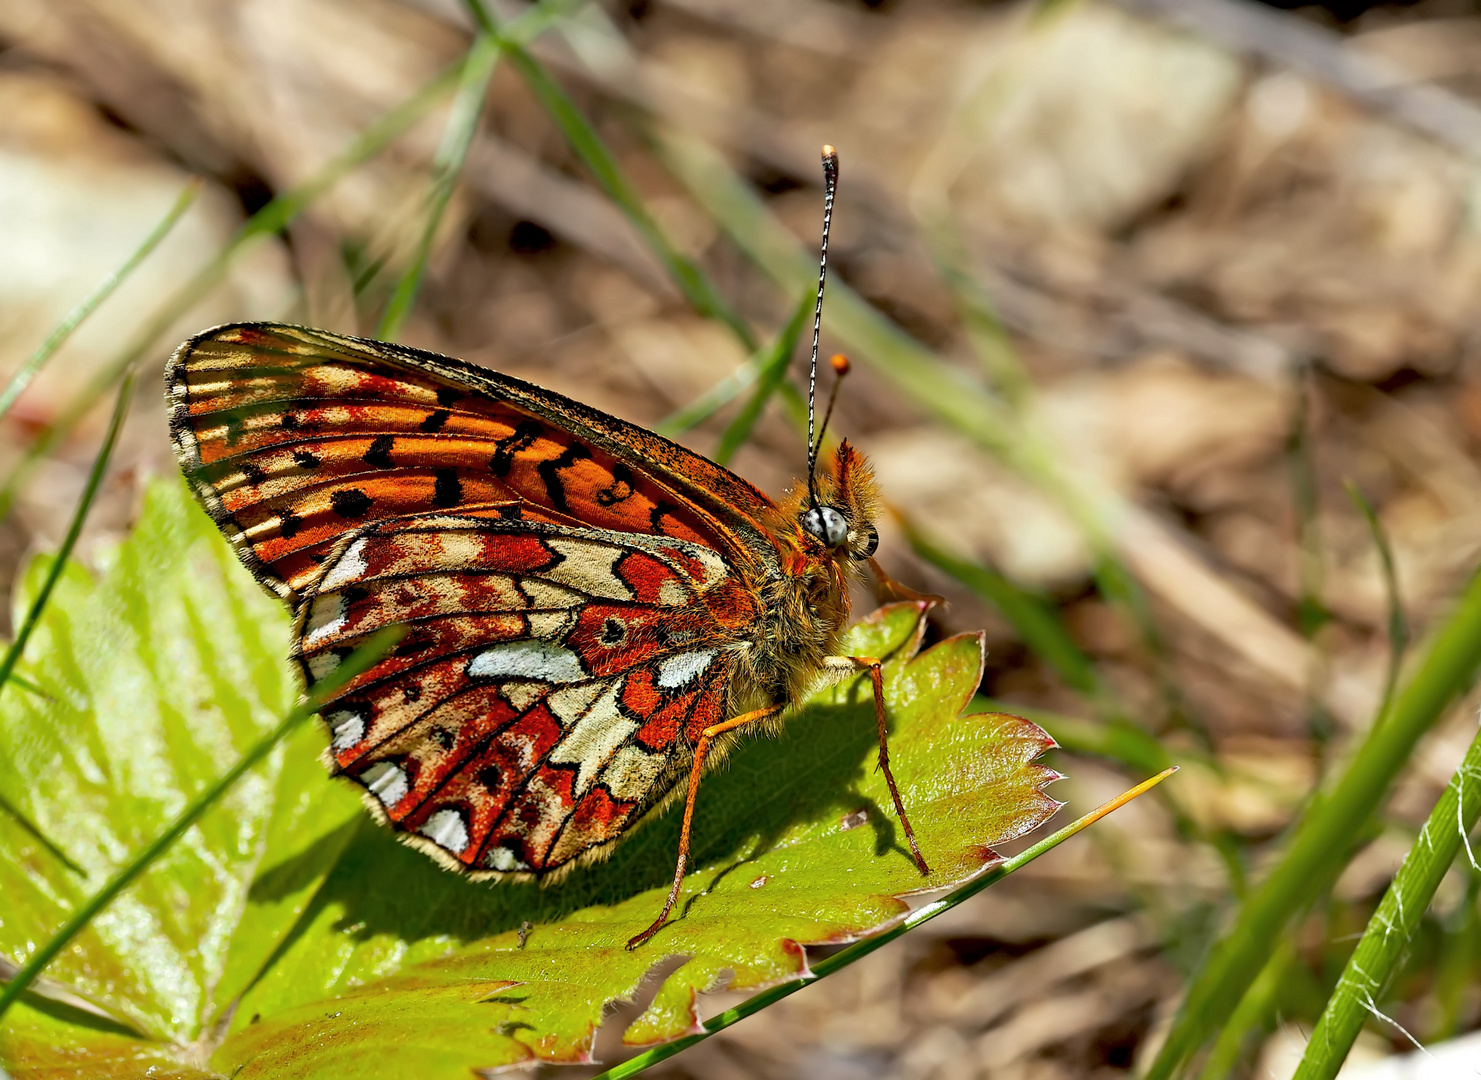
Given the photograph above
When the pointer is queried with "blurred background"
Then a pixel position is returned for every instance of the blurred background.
(1147, 302)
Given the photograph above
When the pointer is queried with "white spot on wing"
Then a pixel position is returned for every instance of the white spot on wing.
(543, 594)
(387, 782)
(347, 568)
(594, 739)
(501, 858)
(587, 566)
(630, 774)
(446, 829)
(326, 619)
(672, 594)
(521, 695)
(570, 704)
(321, 664)
(547, 624)
(712, 566)
(526, 659)
(348, 729)
(680, 670)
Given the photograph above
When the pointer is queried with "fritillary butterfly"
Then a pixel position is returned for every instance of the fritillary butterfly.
(592, 611)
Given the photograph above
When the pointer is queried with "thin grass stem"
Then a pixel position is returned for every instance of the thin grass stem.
(1398, 624)
(75, 318)
(772, 372)
(74, 530)
(860, 949)
(271, 219)
(581, 136)
(1322, 840)
(1385, 942)
(447, 166)
(34, 832)
(1036, 620)
(1253, 1014)
(353, 665)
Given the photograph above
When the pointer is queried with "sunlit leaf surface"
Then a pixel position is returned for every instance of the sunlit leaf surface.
(290, 937)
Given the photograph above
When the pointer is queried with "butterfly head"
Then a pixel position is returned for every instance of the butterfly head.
(842, 517)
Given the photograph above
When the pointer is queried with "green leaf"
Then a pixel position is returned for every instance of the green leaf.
(157, 676)
(288, 936)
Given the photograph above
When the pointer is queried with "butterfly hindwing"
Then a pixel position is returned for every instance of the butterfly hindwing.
(550, 687)
(294, 438)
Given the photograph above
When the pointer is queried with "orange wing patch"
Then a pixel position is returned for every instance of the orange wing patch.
(295, 437)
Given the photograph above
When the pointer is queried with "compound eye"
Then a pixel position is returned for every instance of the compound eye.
(827, 524)
(867, 542)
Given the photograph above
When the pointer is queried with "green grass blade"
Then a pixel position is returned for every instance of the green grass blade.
(727, 390)
(1322, 841)
(30, 828)
(860, 949)
(1384, 943)
(271, 219)
(857, 951)
(1036, 620)
(772, 370)
(1398, 625)
(582, 137)
(714, 399)
(1311, 613)
(54, 341)
(995, 349)
(74, 530)
(447, 166)
(357, 662)
(1254, 1013)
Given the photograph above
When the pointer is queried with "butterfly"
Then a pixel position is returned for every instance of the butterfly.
(592, 612)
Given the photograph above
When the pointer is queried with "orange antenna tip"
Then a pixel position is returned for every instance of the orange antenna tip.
(840, 364)
(828, 151)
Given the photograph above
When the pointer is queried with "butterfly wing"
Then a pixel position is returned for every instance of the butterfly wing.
(294, 437)
(549, 690)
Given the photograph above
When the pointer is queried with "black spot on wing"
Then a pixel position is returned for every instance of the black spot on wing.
(350, 503)
(253, 472)
(305, 460)
(620, 489)
(660, 511)
(434, 421)
(288, 524)
(447, 395)
(379, 453)
(448, 490)
(519, 439)
(550, 472)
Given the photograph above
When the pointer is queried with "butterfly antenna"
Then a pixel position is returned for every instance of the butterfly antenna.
(830, 186)
(840, 366)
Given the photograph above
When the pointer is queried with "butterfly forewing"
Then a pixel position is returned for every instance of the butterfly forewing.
(295, 437)
(550, 688)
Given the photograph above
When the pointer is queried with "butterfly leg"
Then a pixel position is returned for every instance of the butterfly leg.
(701, 751)
(844, 665)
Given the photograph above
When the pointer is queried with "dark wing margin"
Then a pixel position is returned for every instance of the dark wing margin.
(293, 438)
